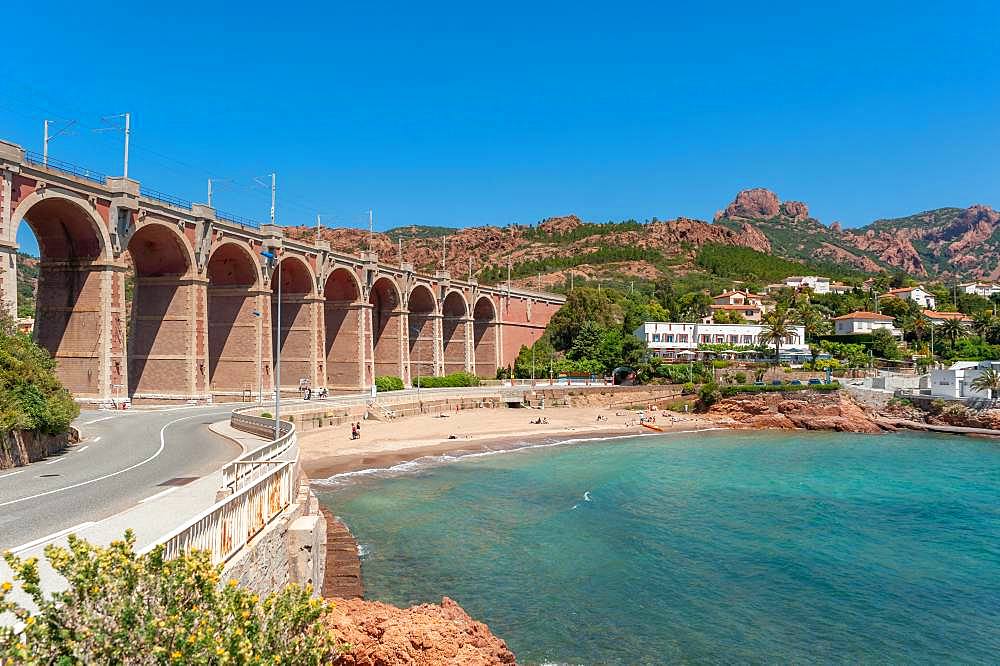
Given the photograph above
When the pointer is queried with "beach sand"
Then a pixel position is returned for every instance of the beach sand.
(331, 451)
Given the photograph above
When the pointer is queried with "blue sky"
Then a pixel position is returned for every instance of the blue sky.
(469, 114)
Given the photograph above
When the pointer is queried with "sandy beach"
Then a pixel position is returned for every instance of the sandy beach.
(331, 451)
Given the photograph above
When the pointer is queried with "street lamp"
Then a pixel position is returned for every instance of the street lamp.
(275, 267)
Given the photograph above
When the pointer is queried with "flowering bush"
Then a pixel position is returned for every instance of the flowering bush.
(124, 608)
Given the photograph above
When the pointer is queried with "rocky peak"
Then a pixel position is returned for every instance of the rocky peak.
(560, 225)
(755, 203)
(836, 227)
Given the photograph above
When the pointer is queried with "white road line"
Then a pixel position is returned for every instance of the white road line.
(103, 418)
(159, 495)
(96, 440)
(4, 476)
(112, 474)
(83, 448)
(51, 537)
(53, 462)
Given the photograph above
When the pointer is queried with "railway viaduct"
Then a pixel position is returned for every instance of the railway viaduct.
(201, 325)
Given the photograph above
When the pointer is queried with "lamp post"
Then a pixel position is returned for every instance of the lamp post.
(275, 267)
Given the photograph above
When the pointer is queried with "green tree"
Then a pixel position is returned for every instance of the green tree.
(884, 344)
(31, 395)
(777, 326)
(587, 342)
(952, 330)
(916, 324)
(812, 320)
(988, 380)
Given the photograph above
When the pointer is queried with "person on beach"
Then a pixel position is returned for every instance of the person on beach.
(354, 431)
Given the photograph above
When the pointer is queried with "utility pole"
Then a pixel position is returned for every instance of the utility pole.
(128, 132)
(209, 192)
(318, 225)
(399, 240)
(470, 268)
(49, 137)
(444, 253)
(277, 365)
(274, 192)
(508, 277)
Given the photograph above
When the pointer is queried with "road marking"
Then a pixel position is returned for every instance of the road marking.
(103, 418)
(4, 476)
(159, 495)
(96, 440)
(82, 448)
(53, 462)
(112, 474)
(51, 537)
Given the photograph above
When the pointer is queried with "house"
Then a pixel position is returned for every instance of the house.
(840, 288)
(749, 305)
(918, 295)
(819, 285)
(956, 382)
(984, 289)
(680, 341)
(863, 323)
(938, 318)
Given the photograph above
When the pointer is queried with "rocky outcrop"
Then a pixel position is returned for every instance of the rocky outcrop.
(377, 634)
(754, 204)
(796, 210)
(811, 410)
(560, 225)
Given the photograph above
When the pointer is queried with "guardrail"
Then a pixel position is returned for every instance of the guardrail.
(37, 159)
(228, 525)
(269, 487)
(250, 463)
(238, 219)
(165, 198)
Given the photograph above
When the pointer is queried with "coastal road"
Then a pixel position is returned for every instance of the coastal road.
(122, 459)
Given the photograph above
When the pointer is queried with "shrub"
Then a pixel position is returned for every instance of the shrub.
(740, 377)
(388, 383)
(687, 389)
(729, 391)
(31, 396)
(448, 381)
(708, 395)
(121, 607)
(266, 415)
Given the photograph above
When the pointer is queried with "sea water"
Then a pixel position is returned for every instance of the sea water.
(752, 547)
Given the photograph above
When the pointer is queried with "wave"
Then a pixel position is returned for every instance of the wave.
(425, 462)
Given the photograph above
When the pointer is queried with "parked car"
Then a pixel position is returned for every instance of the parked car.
(814, 381)
(759, 384)
(796, 382)
(776, 382)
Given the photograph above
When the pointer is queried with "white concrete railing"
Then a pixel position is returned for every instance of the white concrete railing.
(227, 526)
(248, 464)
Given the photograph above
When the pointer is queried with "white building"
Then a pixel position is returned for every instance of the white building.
(863, 323)
(984, 289)
(819, 285)
(680, 341)
(918, 295)
(956, 382)
(937, 318)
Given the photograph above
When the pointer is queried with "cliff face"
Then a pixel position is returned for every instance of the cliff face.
(427, 635)
(812, 410)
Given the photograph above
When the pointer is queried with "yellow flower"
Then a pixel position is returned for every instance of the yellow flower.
(6, 586)
(176, 654)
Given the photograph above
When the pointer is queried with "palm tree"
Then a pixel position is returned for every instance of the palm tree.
(988, 380)
(776, 328)
(984, 323)
(952, 330)
(917, 324)
(813, 321)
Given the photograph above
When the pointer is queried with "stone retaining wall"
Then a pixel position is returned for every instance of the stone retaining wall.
(19, 447)
(290, 550)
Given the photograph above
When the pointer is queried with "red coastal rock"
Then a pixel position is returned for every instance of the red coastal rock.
(427, 635)
(755, 203)
(796, 210)
(810, 410)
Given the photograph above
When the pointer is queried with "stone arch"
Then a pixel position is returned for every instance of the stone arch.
(236, 320)
(421, 330)
(163, 357)
(295, 338)
(74, 288)
(342, 310)
(386, 328)
(484, 336)
(454, 332)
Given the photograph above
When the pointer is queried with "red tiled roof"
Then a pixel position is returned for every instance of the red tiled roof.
(933, 314)
(735, 306)
(864, 314)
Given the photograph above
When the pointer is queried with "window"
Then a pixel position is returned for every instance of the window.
(656, 337)
(720, 339)
(670, 338)
(748, 339)
(706, 338)
(750, 313)
(734, 339)
(682, 337)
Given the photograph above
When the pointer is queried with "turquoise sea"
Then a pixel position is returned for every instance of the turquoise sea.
(714, 547)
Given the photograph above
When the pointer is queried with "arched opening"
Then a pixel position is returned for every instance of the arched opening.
(235, 322)
(454, 313)
(61, 294)
(421, 332)
(342, 317)
(484, 337)
(162, 356)
(295, 338)
(384, 301)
